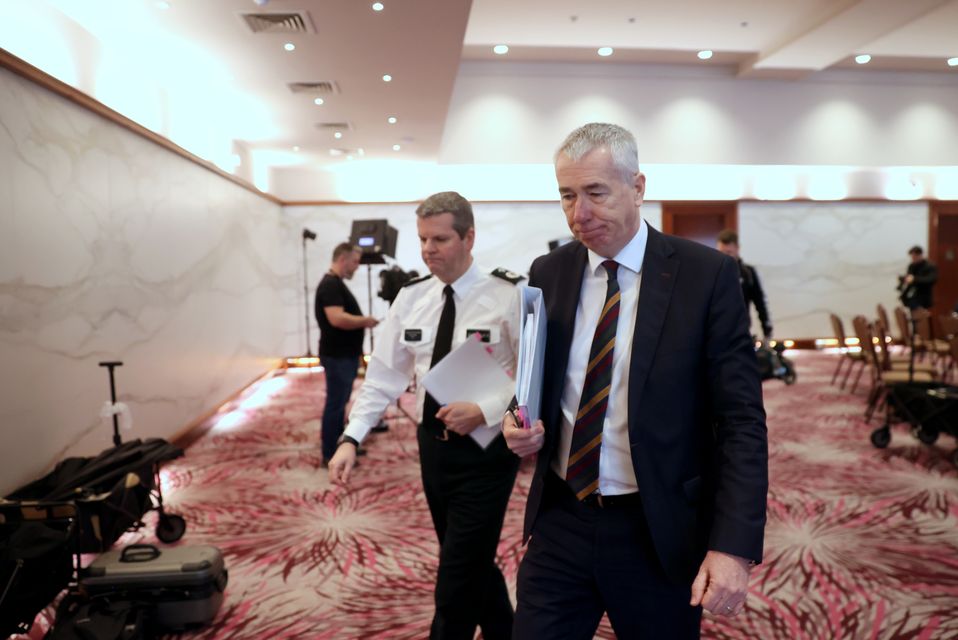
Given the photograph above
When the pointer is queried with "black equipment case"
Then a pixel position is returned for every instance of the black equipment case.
(182, 585)
(112, 492)
(36, 559)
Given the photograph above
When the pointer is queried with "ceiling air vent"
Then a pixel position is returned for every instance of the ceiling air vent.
(333, 126)
(314, 88)
(285, 22)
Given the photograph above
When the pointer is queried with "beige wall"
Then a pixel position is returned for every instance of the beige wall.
(113, 248)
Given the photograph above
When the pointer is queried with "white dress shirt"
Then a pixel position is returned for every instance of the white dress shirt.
(616, 474)
(404, 345)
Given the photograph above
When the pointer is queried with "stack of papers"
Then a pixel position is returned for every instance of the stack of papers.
(532, 346)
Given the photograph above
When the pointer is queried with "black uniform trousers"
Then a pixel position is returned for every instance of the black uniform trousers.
(468, 491)
(584, 560)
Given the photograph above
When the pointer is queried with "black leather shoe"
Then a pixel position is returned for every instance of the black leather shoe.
(379, 428)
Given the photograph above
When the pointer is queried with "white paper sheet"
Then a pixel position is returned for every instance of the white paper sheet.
(468, 373)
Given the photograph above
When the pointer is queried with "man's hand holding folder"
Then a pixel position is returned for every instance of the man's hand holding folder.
(532, 347)
(522, 428)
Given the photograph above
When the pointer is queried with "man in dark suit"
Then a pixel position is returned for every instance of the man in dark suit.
(648, 499)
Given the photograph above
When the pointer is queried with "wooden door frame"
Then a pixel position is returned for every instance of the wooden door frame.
(673, 208)
(936, 210)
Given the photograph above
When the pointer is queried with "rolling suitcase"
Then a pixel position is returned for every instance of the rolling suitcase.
(183, 586)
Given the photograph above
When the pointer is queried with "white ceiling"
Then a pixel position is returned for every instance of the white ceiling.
(421, 43)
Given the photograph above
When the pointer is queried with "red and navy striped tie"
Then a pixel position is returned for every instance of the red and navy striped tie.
(583, 470)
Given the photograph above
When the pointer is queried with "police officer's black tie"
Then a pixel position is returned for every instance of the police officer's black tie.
(442, 346)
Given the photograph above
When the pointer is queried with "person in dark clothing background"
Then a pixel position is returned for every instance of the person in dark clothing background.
(915, 287)
(341, 331)
(751, 286)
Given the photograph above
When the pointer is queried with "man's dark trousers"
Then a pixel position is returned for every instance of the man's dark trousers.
(585, 559)
(468, 490)
(340, 374)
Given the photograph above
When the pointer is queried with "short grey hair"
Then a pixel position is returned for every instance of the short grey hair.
(619, 141)
(449, 202)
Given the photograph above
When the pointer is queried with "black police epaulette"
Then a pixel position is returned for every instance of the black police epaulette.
(417, 280)
(508, 276)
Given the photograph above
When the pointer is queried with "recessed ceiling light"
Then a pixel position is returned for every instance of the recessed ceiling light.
(396, 147)
(378, 6)
(605, 52)
(289, 46)
(296, 148)
(391, 119)
(863, 58)
(500, 49)
(361, 151)
(704, 54)
(953, 62)
(387, 78)
(318, 101)
(338, 135)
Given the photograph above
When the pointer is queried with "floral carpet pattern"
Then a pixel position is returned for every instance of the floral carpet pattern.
(861, 543)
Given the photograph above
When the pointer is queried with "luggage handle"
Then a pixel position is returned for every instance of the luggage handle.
(139, 553)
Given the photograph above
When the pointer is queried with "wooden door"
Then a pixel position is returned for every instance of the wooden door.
(699, 221)
(943, 251)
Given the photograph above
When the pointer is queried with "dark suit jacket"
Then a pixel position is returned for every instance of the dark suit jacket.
(696, 420)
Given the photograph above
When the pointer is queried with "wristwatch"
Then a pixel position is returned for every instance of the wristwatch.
(344, 438)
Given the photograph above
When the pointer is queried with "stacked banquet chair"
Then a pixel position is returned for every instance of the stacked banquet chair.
(911, 392)
(948, 323)
(903, 360)
(850, 356)
(883, 373)
(927, 336)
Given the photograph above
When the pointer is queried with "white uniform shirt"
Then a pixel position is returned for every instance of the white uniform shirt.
(484, 303)
(616, 474)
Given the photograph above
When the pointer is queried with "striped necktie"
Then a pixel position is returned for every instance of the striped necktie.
(583, 470)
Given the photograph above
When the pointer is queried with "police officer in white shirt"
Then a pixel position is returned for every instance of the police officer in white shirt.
(467, 487)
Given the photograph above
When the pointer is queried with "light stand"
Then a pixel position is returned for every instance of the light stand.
(307, 235)
(116, 422)
(369, 298)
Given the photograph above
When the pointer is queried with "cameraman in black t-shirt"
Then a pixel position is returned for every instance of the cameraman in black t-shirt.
(341, 330)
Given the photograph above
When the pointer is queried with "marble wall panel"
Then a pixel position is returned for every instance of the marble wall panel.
(508, 234)
(813, 258)
(113, 248)
(816, 258)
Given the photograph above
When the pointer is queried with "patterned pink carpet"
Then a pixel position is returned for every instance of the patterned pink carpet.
(861, 543)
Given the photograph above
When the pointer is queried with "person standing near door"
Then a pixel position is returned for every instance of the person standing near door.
(752, 291)
(915, 287)
(341, 331)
